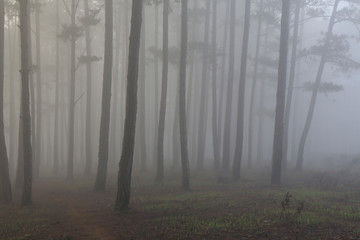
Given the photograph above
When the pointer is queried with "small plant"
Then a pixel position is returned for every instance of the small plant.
(285, 203)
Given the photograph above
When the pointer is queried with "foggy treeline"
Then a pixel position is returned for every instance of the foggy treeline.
(164, 85)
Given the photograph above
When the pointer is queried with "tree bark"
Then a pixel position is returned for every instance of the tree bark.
(100, 182)
(323, 58)
(25, 102)
(5, 185)
(126, 160)
(280, 95)
(182, 100)
(227, 127)
(162, 114)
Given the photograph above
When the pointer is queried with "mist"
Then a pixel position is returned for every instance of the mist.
(176, 115)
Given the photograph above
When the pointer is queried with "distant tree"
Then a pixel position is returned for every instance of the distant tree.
(215, 130)
(162, 114)
(280, 95)
(204, 92)
(39, 85)
(25, 101)
(106, 100)
(328, 50)
(182, 102)
(227, 127)
(241, 98)
(290, 91)
(5, 185)
(254, 81)
(126, 160)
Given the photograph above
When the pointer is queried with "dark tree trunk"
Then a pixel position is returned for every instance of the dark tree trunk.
(204, 89)
(19, 179)
(106, 100)
(162, 114)
(290, 91)
(5, 185)
(240, 116)
(25, 102)
(280, 95)
(215, 130)
(227, 127)
(88, 131)
(126, 160)
(57, 79)
(37, 152)
(156, 71)
(70, 164)
(253, 85)
(182, 100)
(323, 58)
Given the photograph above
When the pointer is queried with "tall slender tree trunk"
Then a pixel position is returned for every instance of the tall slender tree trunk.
(241, 98)
(182, 94)
(57, 79)
(215, 130)
(25, 102)
(88, 131)
(227, 127)
(280, 95)
(204, 89)
(156, 75)
(37, 153)
(162, 113)
(253, 85)
(5, 185)
(141, 134)
(290, 91)
(126, 160)
(106, 100)
(114, 111)
(70, 165)
(222, 73)
(323, 58)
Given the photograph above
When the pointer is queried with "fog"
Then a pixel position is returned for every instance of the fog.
(84, 70)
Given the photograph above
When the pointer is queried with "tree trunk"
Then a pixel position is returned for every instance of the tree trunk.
(70, 165)
(57, 79)
(162, 114)
(88, 131)
(204, 89)
(253, 84)
(280, 95)
(182, 94)
(25, 102)
(227, 127)
(323, 58)
(37, 153)
(106, 100)
(240, 116)
(126, 160)
(156, 75)
(289, 95)
(5, 185)
(215, 130)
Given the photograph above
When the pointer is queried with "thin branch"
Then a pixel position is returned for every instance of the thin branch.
(67, 8)
(79, 60)
(79, 98)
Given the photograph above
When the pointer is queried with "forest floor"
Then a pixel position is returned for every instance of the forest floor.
(319, 207)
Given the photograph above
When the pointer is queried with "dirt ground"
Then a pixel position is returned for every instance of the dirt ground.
(64, 210)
